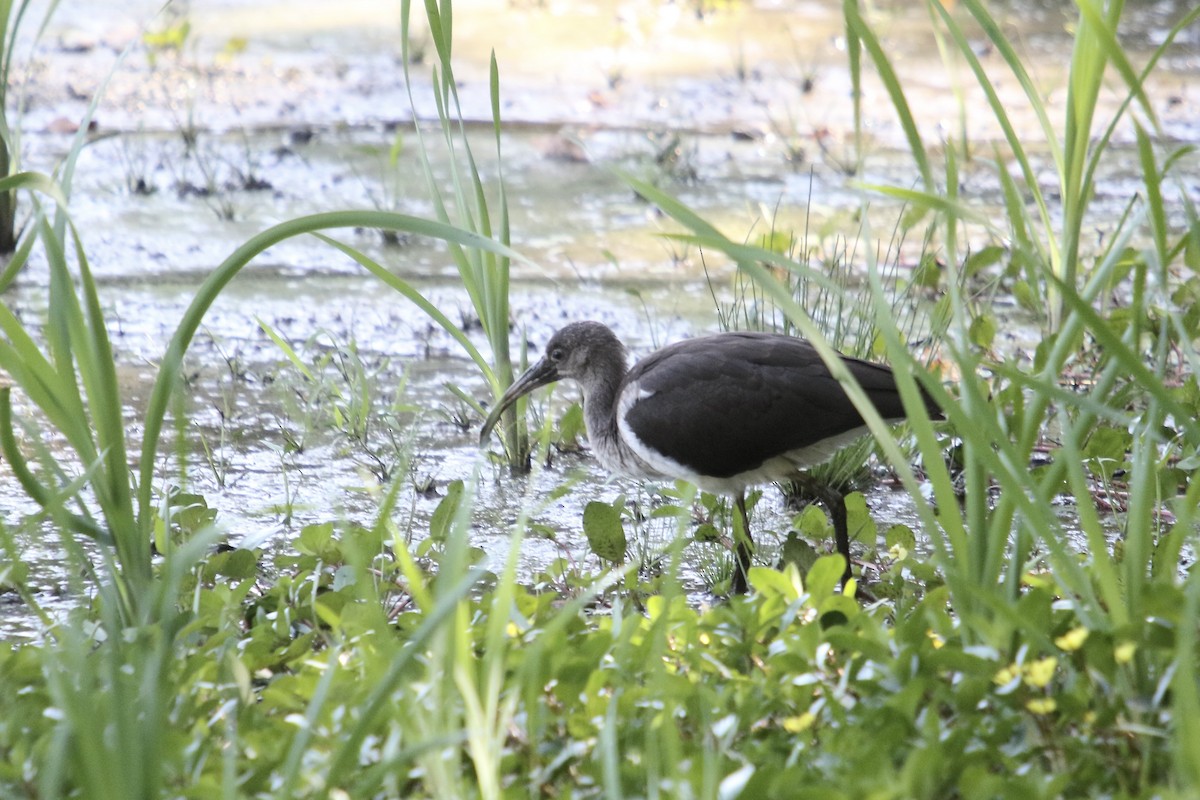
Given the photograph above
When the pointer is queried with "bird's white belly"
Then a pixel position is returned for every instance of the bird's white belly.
(621, 451)
(774, 469)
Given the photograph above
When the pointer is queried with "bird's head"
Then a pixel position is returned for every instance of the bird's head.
(583, 351)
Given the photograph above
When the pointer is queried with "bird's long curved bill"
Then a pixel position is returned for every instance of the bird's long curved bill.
(540, 374)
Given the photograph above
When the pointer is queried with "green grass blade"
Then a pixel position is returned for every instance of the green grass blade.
(858, 29)
(346, 760)
(416, 298)
(208, 292)
(1004, 46)
(297, 362)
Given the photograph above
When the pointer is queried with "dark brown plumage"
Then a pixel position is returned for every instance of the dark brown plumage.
(725, 412)
(751, 397)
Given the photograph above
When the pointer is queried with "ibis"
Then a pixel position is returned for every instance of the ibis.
(725, 412)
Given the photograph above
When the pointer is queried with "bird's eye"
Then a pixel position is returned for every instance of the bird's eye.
(557, 354)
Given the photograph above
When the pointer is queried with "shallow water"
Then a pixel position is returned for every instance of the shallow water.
(744, 115)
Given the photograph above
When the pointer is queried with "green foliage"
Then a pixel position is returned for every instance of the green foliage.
(75, 387)
(858, 520)
(434, 693)
(604, 530)
(1114, 424)
(571, 428)
(182, 517)
(483, 272)
(1117, 428)
(445, 513)
(336, 389)
(12, 15)
(170, 37)
(1041, 238)
(1023, 657)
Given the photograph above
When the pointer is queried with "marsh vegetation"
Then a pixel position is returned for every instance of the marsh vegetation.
(251, 547)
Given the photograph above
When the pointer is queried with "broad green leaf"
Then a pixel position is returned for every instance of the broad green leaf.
(813, 523)
(799, 552)
(444, 514)
(901, 535)
(317, 540)
(605, 531)
(859, 523)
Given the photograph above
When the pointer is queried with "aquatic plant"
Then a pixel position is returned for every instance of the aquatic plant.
(12, 15)
(1002, 421)
(995, 532)
(1077, 148)
(75, 387)
(991, 542)
(484, 274)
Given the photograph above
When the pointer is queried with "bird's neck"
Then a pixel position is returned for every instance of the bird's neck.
(599, 405)
(601, 410)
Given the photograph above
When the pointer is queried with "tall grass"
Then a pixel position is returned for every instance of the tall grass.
(484, 274)
(12, 15)
(74, 384)
(123, 676)
(127, 663)
(988, 541)
(996, 531)
(1054, 264)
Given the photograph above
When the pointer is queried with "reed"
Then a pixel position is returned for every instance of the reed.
(466, 203)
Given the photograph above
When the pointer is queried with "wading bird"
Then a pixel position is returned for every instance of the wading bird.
(724, 412)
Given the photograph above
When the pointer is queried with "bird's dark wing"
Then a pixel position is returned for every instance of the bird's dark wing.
(722, 405)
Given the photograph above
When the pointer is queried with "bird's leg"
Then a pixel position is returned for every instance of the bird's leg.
(835, 501)
(743, 546)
